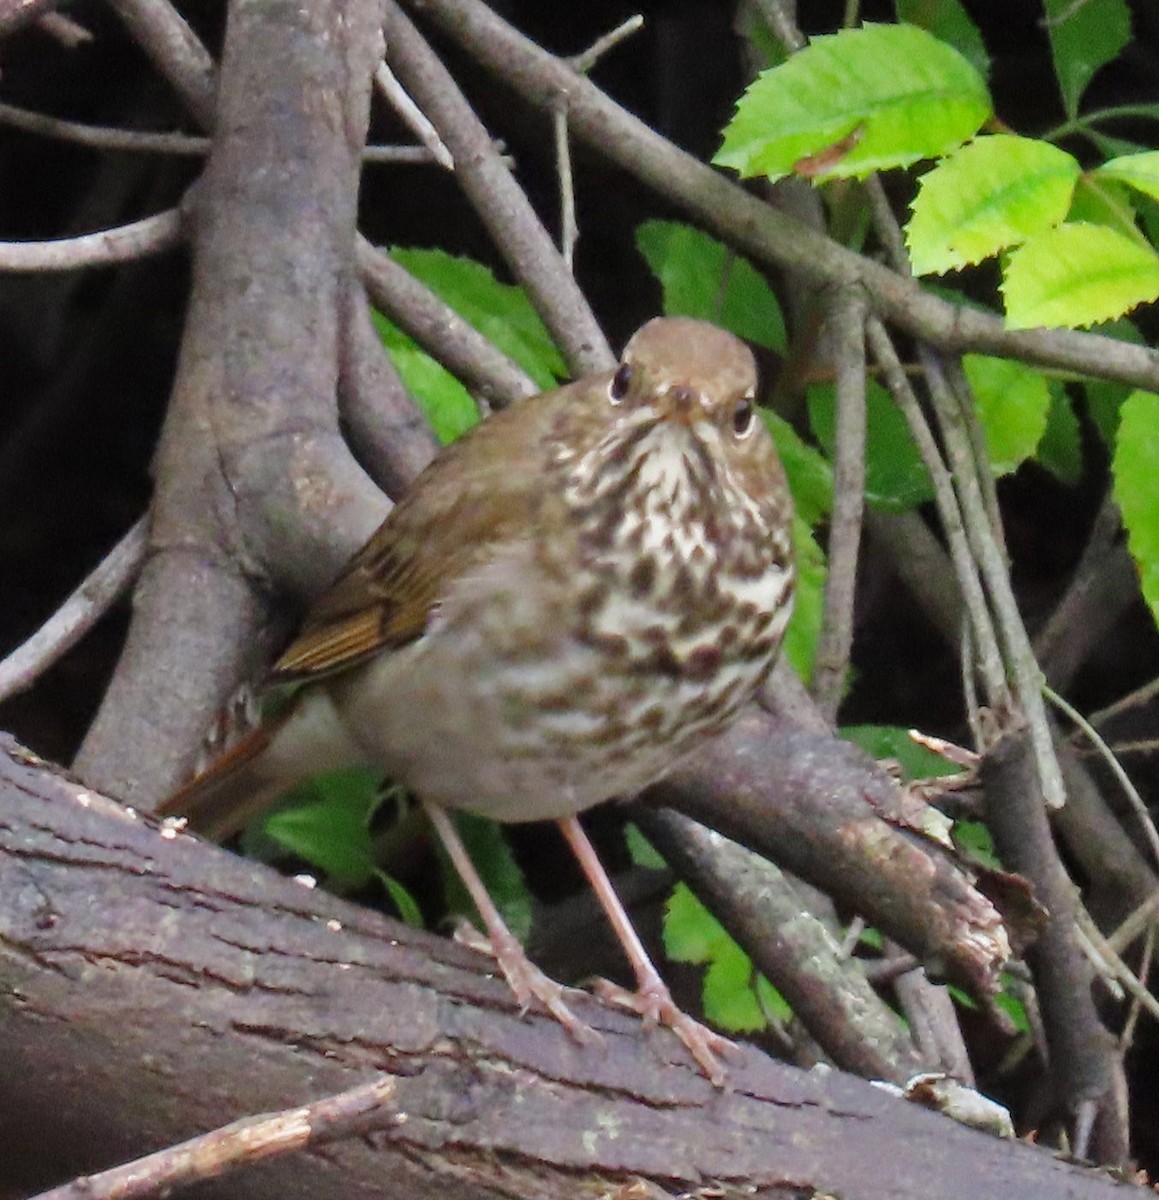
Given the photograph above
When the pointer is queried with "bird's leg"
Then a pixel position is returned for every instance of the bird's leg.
(525, 979)
(652, 999)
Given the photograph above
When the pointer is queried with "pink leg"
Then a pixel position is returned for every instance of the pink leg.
(652, 998)
(526, 980)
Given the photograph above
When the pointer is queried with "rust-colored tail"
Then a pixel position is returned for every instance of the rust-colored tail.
(234, 788)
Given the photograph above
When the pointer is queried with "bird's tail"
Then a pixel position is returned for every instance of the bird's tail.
(235, 787)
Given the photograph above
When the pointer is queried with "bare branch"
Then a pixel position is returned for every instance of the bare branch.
(238, 1144)
(160, 30)
(412, 115)
(498, 199)
(139, 239)
(388, 433)
(445, 335)
(138, 141)
(847, 327)
(766, 913)
(79, 613)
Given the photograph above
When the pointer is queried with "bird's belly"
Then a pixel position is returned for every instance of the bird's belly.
(536, 736)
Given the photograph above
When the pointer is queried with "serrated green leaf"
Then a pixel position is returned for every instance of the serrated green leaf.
(993, 193)
(1102, 201)
(729, 999)
(331, 828)
(800, 646)
(693, 935)
(1012, 401)
(1061, 449)
(1140, 171)
(1135, 468)
(893, 92)
(1083, 38)
(949, 22)
(810, 475)
(1077, 275)
(703, 278)
(893, 741)
(501, 312)
(445, 402)
(896, 479)
(492, 858)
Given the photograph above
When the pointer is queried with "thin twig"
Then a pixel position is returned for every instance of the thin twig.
(1127, 1035)
(250, 1140)
(69, 33)
(151, 235)
(1124, 780)
(780, 18)
(568, 226)
(445, 335)
(102, 138)
(586, 59)
(984, 637)
(413, 116)
(1021, 666)
(77, 615)
(847, 323)
(175, 50)
(140, 141)
(510, 219)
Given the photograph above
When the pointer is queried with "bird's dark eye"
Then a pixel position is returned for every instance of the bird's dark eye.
(743, 416)
(621, 381)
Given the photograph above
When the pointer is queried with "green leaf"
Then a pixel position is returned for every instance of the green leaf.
(501, 312)
(1077, 275)
(896, 479)
(974, 837)
(445, 402)
(703, 278)
(492, 858)
(893, 92)
(1135, 468)
(804, 629)
(640, 850)
(1012, 401)
(729, 997)
(1140, 171)
(1104, 407)
(407, 905)
(331, 828)
(1061, 449)
(993, 193)
(949, 22)
(893, 741)
(693, 935)
(1083, 38)
(1102, 201)
(810, 475)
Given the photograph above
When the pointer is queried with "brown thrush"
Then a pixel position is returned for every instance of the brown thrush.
(568, 600)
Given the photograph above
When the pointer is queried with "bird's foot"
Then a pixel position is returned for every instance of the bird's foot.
(655, 1004)
(525, 979)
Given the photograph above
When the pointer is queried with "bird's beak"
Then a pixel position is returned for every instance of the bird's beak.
(682, 404)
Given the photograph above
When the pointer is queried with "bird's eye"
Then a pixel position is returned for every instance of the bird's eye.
(743, 417)
(621, 381)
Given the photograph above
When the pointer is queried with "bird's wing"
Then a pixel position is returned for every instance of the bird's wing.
(471, 500)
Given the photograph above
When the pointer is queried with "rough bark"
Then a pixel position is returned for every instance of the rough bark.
(153, 986)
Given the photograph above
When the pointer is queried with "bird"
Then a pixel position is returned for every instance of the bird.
(565, 603)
